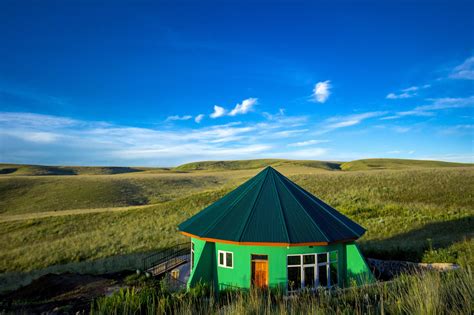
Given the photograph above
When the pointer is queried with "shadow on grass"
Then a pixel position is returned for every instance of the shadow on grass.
(411, 246)
(13, 280)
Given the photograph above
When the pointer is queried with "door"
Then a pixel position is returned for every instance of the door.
(260, 271)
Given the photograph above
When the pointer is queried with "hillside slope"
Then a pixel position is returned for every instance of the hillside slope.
(378, 164)
(252, 164)
(38, 170)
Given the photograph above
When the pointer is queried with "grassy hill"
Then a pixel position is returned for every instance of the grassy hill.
(419, 210)
(357, 165)
(253, 164)
(381, 164)
(29, 194)
(401, 209)
(38, 170)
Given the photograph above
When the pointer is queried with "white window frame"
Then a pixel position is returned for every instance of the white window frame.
(316, 266)
(225, 259)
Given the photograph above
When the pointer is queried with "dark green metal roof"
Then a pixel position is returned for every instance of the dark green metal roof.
(269, 208)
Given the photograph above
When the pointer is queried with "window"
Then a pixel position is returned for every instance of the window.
(192, 255)
(312, 270)
(225, 259)
(301, 271)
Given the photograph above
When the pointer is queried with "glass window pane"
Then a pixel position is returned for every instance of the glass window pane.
(323, 276)
(333, 268)
(294, 278)
(309, 277)
(294, 260)
(221, 258)
(322, 258)
(308, 259)
(228, 259)
(192, 246)
(333, 256)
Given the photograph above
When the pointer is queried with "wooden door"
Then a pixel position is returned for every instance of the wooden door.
(260, 273)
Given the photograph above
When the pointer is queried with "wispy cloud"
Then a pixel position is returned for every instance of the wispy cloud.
(464, 129)
(243, 107)
(436, 105)
(322, 91)
(346, 121)
(177, 117)
(199, 118)
(393, 96)
(407, 93)
(34, 138)
(464, 70)
(36, 120)
(218, 112)
(307, 143)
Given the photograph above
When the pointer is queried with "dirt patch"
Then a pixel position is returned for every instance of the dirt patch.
(61, 293)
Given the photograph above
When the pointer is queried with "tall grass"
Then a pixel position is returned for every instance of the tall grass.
(427, 293)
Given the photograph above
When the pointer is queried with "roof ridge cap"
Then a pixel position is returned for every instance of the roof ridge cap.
(244, 227)
(310, 218)
(323, 206)
(281, 209)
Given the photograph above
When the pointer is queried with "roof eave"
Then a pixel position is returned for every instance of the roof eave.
(215, 240)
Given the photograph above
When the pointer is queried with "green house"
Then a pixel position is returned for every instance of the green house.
(269, 232)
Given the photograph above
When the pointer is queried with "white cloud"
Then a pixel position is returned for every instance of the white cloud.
(346, 121)
(436, 105)
(393, 96)
(399, 129)
(32, 136)
(199, 118)
(288, 133)
(92, 143)
(218, 112)
(177, 117)
(307, 143)
(322, 91)
(464, 70)
(407, 93)
(466, 129)
(467, 158)
(243, 107)
(36, 120)
(411, 89)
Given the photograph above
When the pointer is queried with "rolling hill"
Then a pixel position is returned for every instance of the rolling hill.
(230, 165)
(393, 164)
(39, 170)
(357, 165)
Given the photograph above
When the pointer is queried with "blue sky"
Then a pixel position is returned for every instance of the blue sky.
(158, 83)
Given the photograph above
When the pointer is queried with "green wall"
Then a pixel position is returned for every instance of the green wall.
(207, 270)
(358, 272)
(204, 263)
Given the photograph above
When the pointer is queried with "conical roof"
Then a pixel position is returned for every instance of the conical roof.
(269, 209)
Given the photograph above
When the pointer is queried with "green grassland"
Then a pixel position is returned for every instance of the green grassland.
(380, 164)
(418, 213)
